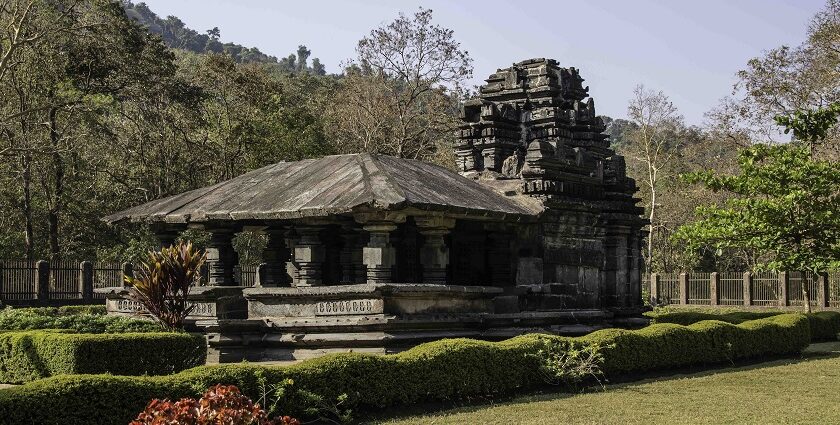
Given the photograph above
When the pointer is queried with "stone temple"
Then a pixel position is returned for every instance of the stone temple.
(538, 231)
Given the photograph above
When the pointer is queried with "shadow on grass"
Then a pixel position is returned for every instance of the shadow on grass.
(550, 393)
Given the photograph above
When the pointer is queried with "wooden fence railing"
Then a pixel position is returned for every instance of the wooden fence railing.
(72, 282)
(761, 289)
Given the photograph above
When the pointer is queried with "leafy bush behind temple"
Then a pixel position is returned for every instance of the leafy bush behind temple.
(442, 370)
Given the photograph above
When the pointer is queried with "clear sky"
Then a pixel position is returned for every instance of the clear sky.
(691, 50)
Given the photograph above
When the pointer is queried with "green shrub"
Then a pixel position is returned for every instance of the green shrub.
(825, 325)
(30, 355)
(689, 317)
(79, 309)
(665, 346)
(441, 370)
(81, 319)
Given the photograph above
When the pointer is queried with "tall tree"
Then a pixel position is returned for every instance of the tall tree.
(400, 94)
(652, 144)
(784, 80)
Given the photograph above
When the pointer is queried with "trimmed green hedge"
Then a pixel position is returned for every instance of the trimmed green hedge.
(825, 325)
(441, 370)
(664, 346)
(81, 319)
(30, 355)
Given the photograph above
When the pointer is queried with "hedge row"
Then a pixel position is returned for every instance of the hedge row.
(441, 370)
(825, 325)
(81, 319)
(30, 355)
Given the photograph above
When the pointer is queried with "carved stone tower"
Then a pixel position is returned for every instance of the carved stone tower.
(533, 125)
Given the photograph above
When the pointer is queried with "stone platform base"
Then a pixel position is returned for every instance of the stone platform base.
(297, 339)
(287, 324)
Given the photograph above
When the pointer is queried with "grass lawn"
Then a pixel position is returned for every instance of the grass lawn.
(805, 391)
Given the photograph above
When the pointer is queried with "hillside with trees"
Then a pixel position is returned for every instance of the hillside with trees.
(107, 105)
(177, 35)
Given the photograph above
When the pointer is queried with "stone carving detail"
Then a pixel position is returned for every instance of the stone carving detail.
(512, 167)
(542, 111)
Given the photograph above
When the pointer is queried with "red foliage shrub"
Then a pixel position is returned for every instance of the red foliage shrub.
(220, 405)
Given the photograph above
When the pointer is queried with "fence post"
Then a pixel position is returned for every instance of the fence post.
(714, 288)
(822, 290)
(654, 289)
(784, 283)
(684, 288)
(127, 270)
(262, 277)
(748, 283)
(86, 280)
(42, 280)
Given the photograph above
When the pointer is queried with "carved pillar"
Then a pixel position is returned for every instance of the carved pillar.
(221, 258)
(379, 255)
(309, 255)
(276, 255)
(434, 254)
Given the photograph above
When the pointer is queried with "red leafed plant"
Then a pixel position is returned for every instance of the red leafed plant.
(220, 405)
(163, 282)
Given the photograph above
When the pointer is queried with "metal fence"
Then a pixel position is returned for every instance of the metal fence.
(763, 289)
(57, 282)
(72, 282)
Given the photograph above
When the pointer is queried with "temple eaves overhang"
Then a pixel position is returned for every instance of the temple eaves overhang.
(329, 186)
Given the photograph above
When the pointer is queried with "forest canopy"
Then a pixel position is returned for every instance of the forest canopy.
(107, 105)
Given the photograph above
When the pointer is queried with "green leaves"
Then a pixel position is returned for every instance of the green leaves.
(811, 126)
(786, 205)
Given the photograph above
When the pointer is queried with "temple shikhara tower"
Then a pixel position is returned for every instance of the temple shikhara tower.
(534, 131)
(537, 231)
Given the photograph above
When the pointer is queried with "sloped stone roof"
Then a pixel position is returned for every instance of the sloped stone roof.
(327, 186)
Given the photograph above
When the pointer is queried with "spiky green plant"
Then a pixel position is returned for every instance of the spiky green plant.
(162, 283)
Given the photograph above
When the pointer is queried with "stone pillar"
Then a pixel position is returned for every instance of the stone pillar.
(434, 254)
(714, 289)
(42, 280)
(275, 257)
(655, 284)
(221, 258)
(309, 255)
(784, 284)
(379, 255)
(683, 288)
(86, 280)
(823, 294)
(747, 286)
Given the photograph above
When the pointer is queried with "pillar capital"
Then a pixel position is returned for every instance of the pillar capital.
(383, 217)
(434, 224)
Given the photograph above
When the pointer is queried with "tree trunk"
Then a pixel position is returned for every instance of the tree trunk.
(58, 193)
(28, 234)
